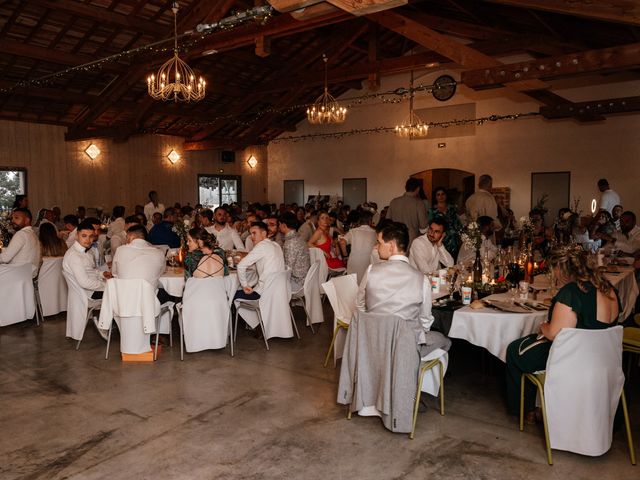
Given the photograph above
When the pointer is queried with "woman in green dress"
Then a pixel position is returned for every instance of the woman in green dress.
(198, 239)
(585, 300)
(441, 208)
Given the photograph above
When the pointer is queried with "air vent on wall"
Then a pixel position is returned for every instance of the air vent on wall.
(228, 156)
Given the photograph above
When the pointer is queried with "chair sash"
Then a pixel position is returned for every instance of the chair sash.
(311, 289)
(342, 293)
(205, 314)
(16, 295)
(52, 286)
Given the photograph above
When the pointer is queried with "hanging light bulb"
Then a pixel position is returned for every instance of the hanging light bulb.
(412, 127)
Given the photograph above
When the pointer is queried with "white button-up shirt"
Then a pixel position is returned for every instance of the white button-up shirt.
(71, 237)
(628, 243)
(82, 266)
(608, 200)
(24, 247)
(228, 238)
(139, 259)
(150, 209)
(427, 257)
(267, 257)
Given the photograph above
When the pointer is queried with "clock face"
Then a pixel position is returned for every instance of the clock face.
(444, 88)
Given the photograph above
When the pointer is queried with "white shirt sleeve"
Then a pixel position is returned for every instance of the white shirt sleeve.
(426, 318)
(237, 241)
(84, 280)
(252, 257)
(16, 244)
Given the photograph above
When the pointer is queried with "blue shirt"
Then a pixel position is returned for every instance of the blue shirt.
(163, 234)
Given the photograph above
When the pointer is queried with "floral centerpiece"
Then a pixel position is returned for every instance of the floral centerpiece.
(471, 236)
(180, 229)
(5, 230)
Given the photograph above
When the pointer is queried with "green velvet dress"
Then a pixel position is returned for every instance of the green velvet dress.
(528, 355)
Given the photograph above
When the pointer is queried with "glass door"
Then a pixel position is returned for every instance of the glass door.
(216, 190)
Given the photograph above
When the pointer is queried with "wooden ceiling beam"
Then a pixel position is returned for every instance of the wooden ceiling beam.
(594, 108)
(620, 11)
(456, 51)
(366, 7)
(623, 56)
(103, 15)
(459, 28)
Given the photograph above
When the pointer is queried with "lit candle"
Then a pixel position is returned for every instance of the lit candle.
(180, 256)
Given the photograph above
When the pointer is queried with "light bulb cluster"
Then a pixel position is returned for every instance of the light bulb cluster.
(326, 110)
(176, 81)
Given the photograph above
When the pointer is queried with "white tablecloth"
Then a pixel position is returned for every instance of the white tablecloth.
(493, 329)
(625, 282)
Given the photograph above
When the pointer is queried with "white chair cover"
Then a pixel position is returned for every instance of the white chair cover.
(205, 314)
(312, 298)
(317, 255)
(342, 293)
(52, 287)
(16, 293)
(274, 307)
(431, 379)
(134, 306)
(582, 389)
(77, 305)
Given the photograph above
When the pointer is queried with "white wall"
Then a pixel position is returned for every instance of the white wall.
(507, 150)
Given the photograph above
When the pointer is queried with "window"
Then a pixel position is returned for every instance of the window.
(215, 190)
(13, 181)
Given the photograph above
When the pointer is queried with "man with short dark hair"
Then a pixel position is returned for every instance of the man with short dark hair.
(428, 252)
(273, 232)
(266, 256)
(138, 258)
(162, 233)
(309, 226)
(24, 246)
(295, 250)
(410, 209)
(608, 197)
(627, 240)
(206, 220)
(227, 237)
(79, 263)
(70, 229)
(394, 287)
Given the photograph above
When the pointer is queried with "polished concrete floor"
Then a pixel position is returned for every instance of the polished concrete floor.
(260, 415)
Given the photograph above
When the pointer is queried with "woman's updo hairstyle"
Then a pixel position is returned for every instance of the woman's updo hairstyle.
(575, 264)
(208, 240)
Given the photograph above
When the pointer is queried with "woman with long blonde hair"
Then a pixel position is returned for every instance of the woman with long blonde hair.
(586, 299)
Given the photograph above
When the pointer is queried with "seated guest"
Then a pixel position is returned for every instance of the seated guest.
(295, 250)
(585, 300)
(245, 234)
(57, 219)
(20, 201)
(51, 245)
(428, 253)
(602, 227)
(197, 240)
(487, 248)
(448, 212)
(162, 233)
(362, 239)
(153, 206)
(267, 257)
(226, 236)
(309, 226)
(394, 287)
(627, 240)
(81, 213)
(70, 229)
(322, 239)
(273, 232)
(24, 246)
(116, 232)
(212, 261)
(139, 259)
(616, 213)
(80, 264)
(206, 220)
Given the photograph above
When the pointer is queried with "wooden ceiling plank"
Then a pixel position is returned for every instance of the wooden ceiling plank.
(366, 7)
(623, 56)
(596, 108)
(620, 11)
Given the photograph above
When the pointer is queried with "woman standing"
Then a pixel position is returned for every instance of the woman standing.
(585, 300)
(443, 209)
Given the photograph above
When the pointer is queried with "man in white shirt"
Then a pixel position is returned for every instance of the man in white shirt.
(394, 287)
(267, 257)
(428, 252)
(482, 202)
(79, 263)
(24, 246)
(226, 236)
(139, 259)
(487, 249)
(627, 240)
(116, 232)
(70, 229)
(608, 197)
(153, 206)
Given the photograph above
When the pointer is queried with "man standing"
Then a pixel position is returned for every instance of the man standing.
(153, 206)
(295, 250)
(266, 256)
(409, 209)
(394, 287)
(80, 264)
(482, 202)
(608, 197)
(428, 252)
(24, 246)
(139, 259)
(227, 237)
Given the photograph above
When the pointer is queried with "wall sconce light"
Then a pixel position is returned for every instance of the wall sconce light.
(92, 151)
(253, 161)
(173, 156)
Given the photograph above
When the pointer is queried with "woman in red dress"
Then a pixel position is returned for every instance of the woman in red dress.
(321, 239)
